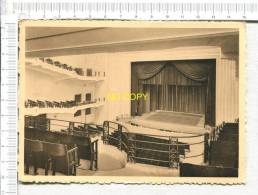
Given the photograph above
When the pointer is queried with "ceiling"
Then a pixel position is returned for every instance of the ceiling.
(41, 32)
(55, 40)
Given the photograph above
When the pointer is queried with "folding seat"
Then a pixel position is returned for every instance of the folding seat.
(49, 104)
(72, 103)
(63, 104)
(33, 155)
(59, 156)
(79, 71)
(49, 61)
(64, 66)
(57, 104)
(32, 103)
(70, 68)
(41, 104)
(58, 64)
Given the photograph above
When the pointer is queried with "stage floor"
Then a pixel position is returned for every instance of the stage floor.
(172, 121)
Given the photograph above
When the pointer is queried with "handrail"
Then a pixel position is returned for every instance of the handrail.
(153, 135)
(172, 143)
(50, 124)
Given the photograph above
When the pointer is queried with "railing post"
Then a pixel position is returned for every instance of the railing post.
(96, 154)
(173, 152)
(71, 126)
(131, 148)
(105, 132)
(120, 136)
(48, 124)
(206, 147)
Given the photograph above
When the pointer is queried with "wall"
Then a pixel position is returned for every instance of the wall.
(227, 90)
(119, 71)
(117, 66)
(42, 86)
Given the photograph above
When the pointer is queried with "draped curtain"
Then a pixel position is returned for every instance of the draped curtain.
(182, 86)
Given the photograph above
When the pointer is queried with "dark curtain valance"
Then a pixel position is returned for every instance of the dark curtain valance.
(170, 75)
(195, 70)
(146, 70)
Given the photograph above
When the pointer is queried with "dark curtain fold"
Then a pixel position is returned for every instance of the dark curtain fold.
(181, 86)
(146, 70)
(195, 70)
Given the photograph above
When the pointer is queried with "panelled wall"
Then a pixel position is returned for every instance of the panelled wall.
(227, 90)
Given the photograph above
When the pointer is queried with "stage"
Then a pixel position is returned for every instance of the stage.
(187, 123)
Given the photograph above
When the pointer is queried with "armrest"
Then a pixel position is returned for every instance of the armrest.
(73, 150)
(74, 154)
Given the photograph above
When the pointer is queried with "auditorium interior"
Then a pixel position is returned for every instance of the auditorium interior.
(124, 101)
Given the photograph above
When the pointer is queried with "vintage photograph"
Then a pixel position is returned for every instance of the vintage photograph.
(155, 102)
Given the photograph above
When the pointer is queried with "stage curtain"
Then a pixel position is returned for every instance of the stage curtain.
(142, 71)
(181, 86)
(146, 70)
(197, 70)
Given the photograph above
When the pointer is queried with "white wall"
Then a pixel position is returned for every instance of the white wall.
(44, 86)
(119, 77)
(227, 90)
(117, 66)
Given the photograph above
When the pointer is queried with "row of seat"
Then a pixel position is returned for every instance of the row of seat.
(55, 104)
(223, 155)
(38, 153)
(191, 170)
(87, 149)
(224, 150)
(77, 70)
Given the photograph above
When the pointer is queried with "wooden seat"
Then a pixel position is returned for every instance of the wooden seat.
(56, 104)
(49, 104)
(49, 61)
(33, 154)
(40, 104)
(59, 151)
(31, 103)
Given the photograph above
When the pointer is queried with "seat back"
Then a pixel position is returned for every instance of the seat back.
(53, 149)
(191, 170)
(33, 146)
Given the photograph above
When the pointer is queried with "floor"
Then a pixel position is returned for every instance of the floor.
(113, 162)
(131, 169)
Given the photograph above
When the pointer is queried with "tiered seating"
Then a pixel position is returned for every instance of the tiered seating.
(58, 64)
(55, 104)
(223, 156)
(38, 153)
(86, 148)
(78, 71)
(224, 151)
(190, 170)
